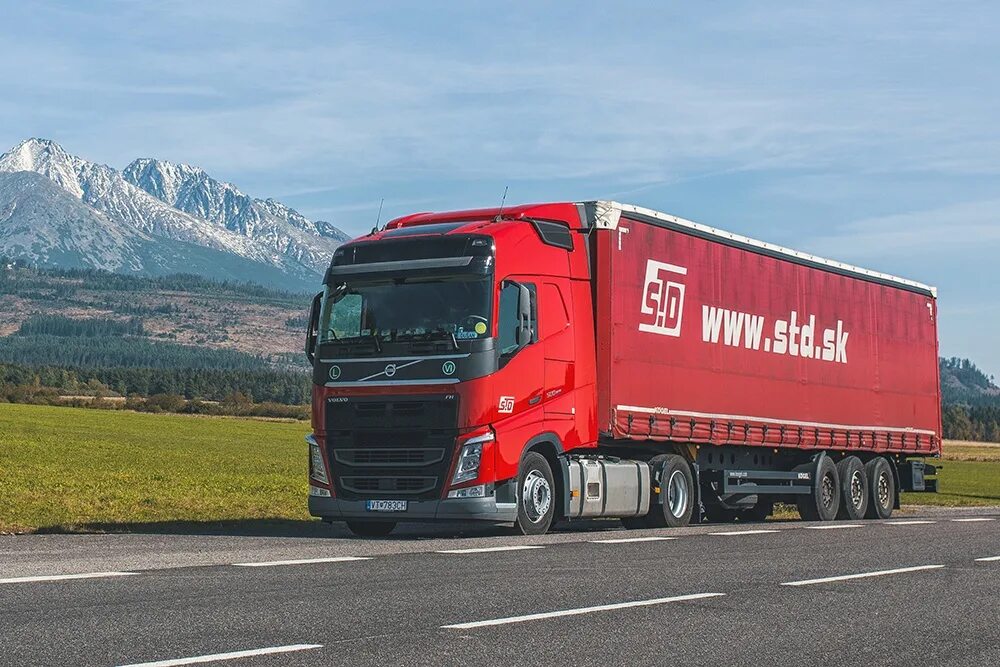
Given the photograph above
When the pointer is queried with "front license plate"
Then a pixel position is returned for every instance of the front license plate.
(386, 505)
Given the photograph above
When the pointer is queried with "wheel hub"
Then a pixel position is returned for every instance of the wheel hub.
(826, 491)
(857, 488)
(536, 496)
(883, 490)
(677, 494)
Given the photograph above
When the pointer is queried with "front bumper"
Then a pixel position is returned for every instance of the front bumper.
(452, 509)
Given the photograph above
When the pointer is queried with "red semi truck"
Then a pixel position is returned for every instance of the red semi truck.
(559, 361)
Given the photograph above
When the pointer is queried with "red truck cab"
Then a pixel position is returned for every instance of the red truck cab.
(441, 361)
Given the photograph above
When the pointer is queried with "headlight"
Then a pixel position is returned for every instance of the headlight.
(317, 468)
(470, 458)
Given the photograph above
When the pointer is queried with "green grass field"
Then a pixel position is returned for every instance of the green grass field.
(77, 469)
(73, 468)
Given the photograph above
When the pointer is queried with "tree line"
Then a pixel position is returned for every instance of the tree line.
(206, 384)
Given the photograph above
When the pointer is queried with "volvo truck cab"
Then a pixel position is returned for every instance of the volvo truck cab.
(446, 382)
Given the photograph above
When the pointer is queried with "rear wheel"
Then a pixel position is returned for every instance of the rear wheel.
(536, 503)
(363, 528)
(676, 500)
(853, 489)
(824, 501)
(881, 489)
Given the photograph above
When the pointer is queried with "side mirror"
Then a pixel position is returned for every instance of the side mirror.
(312, 329)
(524, 332)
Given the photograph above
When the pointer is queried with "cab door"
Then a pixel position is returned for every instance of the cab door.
(519, 383)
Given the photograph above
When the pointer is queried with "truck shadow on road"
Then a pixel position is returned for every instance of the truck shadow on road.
(272, 528)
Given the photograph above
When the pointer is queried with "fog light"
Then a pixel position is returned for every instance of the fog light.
(318, 492)
(478, 491)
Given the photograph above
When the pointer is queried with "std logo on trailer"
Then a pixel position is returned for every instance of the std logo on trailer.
(663, 299)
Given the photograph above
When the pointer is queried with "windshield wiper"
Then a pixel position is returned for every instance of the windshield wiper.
(436, 334)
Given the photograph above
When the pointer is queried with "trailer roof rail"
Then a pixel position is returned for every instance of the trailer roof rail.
(607, 214)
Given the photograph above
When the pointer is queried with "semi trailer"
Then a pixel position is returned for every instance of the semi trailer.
(554, 362)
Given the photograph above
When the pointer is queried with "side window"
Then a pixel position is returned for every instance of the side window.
(507, 320)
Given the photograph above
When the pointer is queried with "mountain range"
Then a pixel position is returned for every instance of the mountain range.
(153, 218)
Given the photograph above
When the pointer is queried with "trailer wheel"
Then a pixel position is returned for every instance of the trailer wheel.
(676, 501)
(536, 502)
(881, 489)
(371, 528)
(824, 501)
(853, 489)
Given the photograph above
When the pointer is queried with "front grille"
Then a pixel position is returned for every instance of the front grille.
(391, 447)
(394, 456)
(389, 484)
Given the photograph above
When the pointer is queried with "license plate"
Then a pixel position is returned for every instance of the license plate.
(386, 505)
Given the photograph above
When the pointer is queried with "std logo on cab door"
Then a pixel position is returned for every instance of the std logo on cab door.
(505, 405)
(663, 299)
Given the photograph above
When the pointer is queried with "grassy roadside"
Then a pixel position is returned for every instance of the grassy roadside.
(969, 476)
(67, 468)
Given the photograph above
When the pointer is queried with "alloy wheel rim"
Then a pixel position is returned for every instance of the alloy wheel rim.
(677, 494)
(883, 489)
(857, 489)
(536, 496)
(826, 491)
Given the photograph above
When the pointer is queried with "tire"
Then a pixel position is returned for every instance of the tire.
(363, 528)
(824, 501)
(854, 492)
(881, 489)
(676, 501)
(536, 501)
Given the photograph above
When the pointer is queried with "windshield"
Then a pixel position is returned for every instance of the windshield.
(407, 310)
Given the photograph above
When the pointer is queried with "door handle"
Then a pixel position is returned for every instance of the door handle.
(534, 399)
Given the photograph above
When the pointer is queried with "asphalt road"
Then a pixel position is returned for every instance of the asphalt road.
(918, 589)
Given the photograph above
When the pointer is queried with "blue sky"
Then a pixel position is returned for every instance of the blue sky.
(867, 132)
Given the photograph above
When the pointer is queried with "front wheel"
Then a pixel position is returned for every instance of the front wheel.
(536, 503)
(363, 528)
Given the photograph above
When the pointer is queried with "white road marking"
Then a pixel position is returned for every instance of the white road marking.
(235, 655)
(65, 577)
(973, 518)
(302, 561)
(483, 550)
(759, 531)
(832, 526)
(863, 575)
(988, 559)
(581, 610)
(624, 540)
(908, 522)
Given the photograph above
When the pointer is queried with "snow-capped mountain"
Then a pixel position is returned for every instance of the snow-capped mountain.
(148, 218)
(267, 221)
